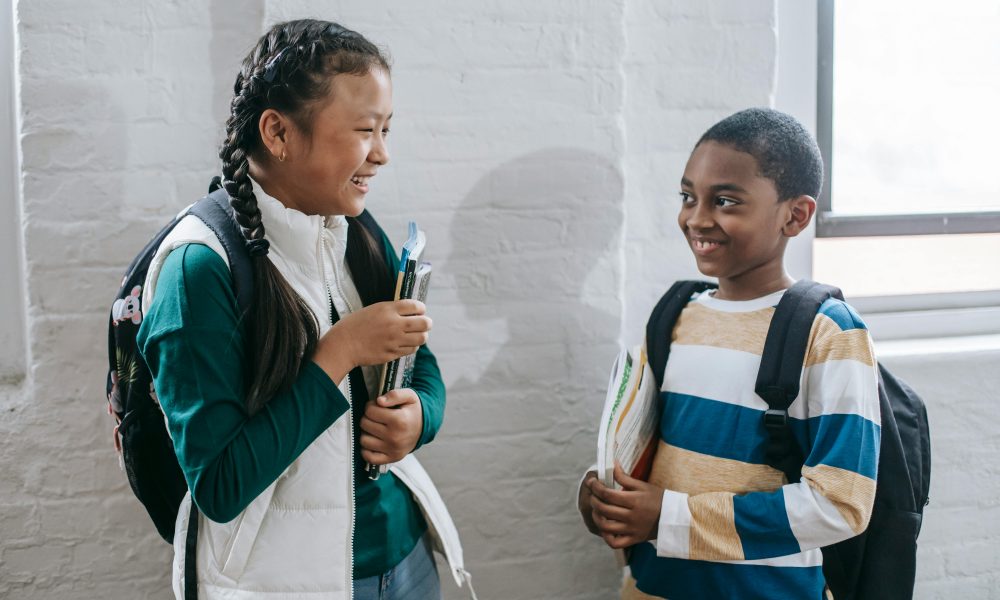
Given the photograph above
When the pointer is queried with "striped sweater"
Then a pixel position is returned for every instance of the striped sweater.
(731, 526)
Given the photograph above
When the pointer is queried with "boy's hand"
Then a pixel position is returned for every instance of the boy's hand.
(583, 503)
(391, 427)
(628, 516)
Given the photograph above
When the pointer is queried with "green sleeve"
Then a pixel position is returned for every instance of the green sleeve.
(193, 344)
(427, 380)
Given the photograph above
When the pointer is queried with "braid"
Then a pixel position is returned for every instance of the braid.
(289, 70)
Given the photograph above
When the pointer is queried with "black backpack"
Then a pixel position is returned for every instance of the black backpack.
(880, 563)
(140, 435)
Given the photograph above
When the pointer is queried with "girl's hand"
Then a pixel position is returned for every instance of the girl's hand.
(391, 427)
(628, 516)
(583, 503)
(373, 335)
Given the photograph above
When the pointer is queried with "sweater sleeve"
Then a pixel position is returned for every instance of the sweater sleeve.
(427, 380)
(833, 501)
(194, 345)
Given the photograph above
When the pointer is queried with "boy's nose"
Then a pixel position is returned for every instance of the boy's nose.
(699, 217)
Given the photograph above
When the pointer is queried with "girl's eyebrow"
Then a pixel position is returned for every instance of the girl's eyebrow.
(375, 115)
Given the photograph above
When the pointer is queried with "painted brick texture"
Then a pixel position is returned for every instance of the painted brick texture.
(539, 144)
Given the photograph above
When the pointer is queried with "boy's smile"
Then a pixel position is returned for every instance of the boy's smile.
(734, 223)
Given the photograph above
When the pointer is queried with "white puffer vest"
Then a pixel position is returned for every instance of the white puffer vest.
(294, 541)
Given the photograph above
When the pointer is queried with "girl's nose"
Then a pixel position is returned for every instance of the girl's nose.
(379, 153)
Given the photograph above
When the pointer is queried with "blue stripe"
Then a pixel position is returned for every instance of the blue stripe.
(762, 524)
(712, 427)
(848, 442)
(679, 579)
(842, 314)
(735, 432)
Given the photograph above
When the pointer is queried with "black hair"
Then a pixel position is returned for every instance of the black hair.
(785, 152)
(289, 70)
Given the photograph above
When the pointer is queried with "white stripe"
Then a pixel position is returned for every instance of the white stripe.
(809, 558)
(726, 375)
(720, 374)
(841, 387)
(674, 530)
(814, 520)
(735, 306)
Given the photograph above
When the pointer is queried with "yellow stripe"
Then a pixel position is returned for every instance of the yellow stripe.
(851, 493)
(853, 344)
(630, 592)
(692, 473)
(700, 326)
(713, 528)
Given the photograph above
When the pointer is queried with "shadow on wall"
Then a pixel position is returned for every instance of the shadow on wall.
(537, 275)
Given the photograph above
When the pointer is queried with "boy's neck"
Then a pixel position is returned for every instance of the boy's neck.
(749, 286)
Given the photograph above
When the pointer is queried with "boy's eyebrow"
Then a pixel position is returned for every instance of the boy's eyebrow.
(719, 187)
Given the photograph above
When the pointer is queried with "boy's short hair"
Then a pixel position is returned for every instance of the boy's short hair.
(786, 153)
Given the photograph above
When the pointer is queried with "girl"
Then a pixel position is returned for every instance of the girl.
(273, 412)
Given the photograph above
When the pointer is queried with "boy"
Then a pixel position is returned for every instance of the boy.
(714, 521)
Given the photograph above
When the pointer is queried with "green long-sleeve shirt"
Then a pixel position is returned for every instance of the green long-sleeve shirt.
(193, 343)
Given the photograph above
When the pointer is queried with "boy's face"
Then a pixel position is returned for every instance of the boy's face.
(732, 220)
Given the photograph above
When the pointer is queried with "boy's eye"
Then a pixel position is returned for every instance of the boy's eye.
(385, 132)
(685, 198)
(725, 202)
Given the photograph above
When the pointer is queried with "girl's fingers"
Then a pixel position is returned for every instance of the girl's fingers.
(417, 324)
(373, 427)
(375, 458)
(398, 397)
(410, 307)
(371, 443)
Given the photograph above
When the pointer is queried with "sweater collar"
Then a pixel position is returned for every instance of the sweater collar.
(296, 235)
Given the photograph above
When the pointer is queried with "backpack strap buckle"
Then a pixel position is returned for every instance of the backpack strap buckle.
(775, 418)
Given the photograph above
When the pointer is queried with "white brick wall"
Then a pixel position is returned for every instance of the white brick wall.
(538, 143)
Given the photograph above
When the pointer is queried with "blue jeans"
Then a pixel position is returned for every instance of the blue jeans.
(414, 578)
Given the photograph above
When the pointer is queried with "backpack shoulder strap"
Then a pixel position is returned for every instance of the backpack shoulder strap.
(662, 320)
(781, 368)
(215, 212)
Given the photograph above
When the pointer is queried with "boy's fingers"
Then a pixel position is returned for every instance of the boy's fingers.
(609, 511)
(610, 496)
(624, 480)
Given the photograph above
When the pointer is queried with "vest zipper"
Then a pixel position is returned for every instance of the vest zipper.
(350, 396)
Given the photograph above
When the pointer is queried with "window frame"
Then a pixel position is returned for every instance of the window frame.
(14, 350)
(830, 224)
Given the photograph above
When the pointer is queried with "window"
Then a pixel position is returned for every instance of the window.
(909, 218)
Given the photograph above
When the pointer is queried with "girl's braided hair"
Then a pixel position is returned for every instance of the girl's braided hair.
(289, 70)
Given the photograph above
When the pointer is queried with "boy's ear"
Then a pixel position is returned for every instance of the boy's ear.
(273, 128)
(800, 212)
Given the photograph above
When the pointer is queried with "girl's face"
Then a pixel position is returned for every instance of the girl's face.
(328, 171)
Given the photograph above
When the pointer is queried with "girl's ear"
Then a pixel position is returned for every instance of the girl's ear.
(274, 128)
(800, 212)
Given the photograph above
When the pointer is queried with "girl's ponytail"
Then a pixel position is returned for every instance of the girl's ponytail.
(289, 70)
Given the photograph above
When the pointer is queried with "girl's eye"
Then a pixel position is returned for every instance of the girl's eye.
(385, 132)
(685, 198)
(725, 202)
